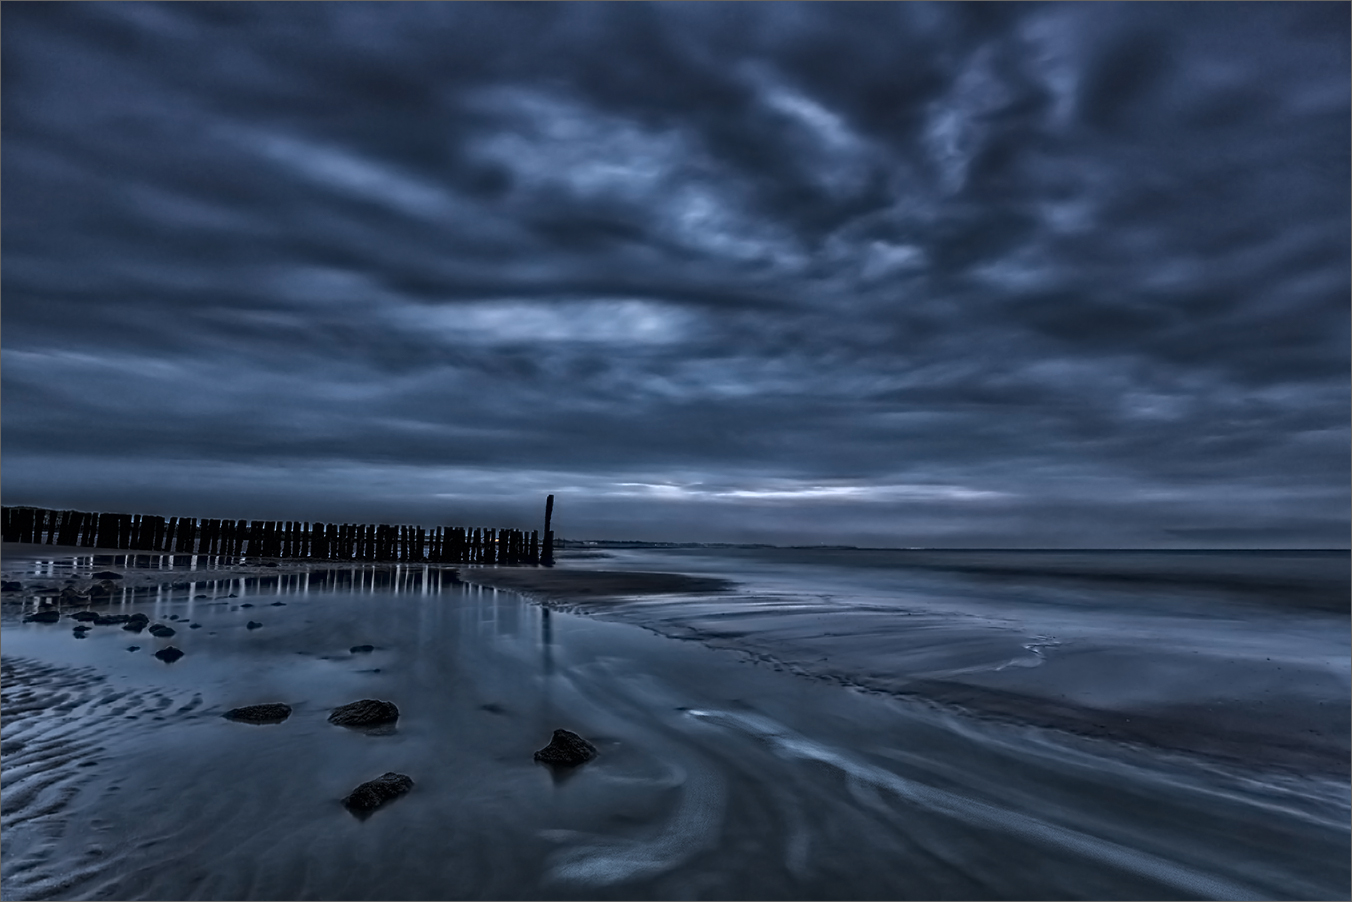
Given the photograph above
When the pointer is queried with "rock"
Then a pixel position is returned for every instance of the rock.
(361, 649)
(43, 617)
(84, 615)
(70, 596)
(253, 625)
(101, 589)
(274, 712)
(134, 627)
(10, 586)
(133, 648)
(172, 617)
(143, 618)
(566, 749)
(278, 604)
(369, 712)
(160, 631)
(372, 794)
(80, 632)
(247, 604)
(169, 654)
(110, 619)
(194, 626)
(106, 574)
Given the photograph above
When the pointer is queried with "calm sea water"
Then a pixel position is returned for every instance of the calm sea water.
(840, 725)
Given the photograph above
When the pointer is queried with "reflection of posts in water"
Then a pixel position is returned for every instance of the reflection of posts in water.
(547, 636)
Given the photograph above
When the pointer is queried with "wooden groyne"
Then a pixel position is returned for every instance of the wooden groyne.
(280, 539)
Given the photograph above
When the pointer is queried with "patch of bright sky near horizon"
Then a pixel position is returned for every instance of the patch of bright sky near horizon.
(1016, 275)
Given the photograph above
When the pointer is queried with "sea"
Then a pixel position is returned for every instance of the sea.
(836, 724)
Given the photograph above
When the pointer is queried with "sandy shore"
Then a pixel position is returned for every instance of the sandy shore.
(725, 775)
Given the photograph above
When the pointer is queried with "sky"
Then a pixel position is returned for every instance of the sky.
(953, 275)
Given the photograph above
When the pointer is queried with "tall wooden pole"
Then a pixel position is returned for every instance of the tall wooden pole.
(547, 556)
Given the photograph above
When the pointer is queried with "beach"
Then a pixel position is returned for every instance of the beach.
(770, 723)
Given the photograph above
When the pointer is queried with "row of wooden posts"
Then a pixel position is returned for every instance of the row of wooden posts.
(280, 538)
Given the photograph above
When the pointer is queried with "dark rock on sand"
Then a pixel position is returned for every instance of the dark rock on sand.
(361, 649)
(10, 586)
(101, 589)
(246, 604)
(106, 574)
(110, 619)
(43, 617)
(194, 626)
(136, 622)
(84, 615)
(80, 632)
(278, 604)
(369, 712)
(169, 654)
(133, 648)
(252, 625)
(160, 631)
(270, 713)
(70, 596)
(567, 749)
(372, 794)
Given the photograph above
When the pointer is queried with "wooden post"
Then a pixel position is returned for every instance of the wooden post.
(547, 555)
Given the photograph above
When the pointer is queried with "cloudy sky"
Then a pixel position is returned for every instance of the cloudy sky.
(949, 275)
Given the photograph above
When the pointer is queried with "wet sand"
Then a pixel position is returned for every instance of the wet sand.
(732, 766)
(1281, 714)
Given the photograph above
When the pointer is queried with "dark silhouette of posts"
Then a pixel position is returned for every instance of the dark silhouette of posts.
(547, 555)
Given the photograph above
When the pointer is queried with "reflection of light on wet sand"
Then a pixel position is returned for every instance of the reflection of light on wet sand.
(979, 814)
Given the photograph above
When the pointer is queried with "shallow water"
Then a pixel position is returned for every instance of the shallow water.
(717, 777)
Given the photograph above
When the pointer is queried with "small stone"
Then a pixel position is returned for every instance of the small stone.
(169, 654)
(43, 617)
(372, 794)
(70, 596)
(270, 713)
(84, 615)
(160, 631)
(134, 627)
(10, 586)
(361, 649)
(369, 712)
(194, 626)
(133, 648)
(278, 604)
(247, 604)
(81, 632)
(252, 625)
(106, 574)
(566, 749)
(138, 617)
(102, 589)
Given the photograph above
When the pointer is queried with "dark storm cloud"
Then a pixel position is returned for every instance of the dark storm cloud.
(994, 274)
